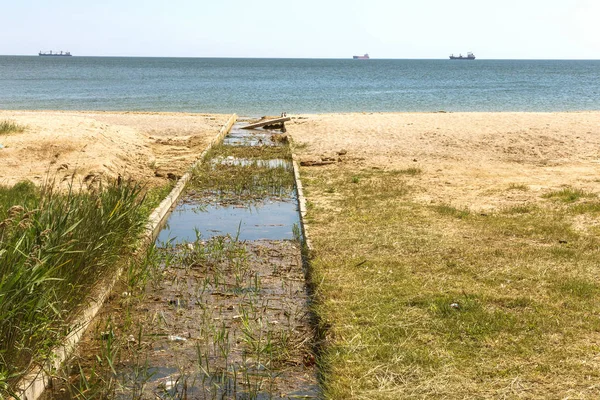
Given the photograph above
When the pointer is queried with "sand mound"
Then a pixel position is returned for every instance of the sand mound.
(91, 147)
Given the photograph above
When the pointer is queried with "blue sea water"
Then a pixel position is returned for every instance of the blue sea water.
(270, 86)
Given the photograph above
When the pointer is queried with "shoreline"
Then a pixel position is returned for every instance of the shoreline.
(208, 113)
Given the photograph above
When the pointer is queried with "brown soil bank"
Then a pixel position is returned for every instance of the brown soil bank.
(148, 147)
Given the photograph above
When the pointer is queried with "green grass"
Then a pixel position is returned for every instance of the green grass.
(568, 195)
(153, 196)
(53, 249)
(445, 209)
(412, 171)
(252, 152)
(420, 300)
(8, 126)
(247, 182)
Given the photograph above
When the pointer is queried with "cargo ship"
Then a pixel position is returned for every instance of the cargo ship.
(364, 57)
(470, 56)
(51, 54)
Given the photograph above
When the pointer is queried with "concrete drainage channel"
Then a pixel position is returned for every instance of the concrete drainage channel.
(33, 385)
(224, 313)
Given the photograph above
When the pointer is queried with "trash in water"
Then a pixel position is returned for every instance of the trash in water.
(174, 338)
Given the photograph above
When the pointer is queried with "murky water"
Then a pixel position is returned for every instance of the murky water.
(251, 137)
(267, 220)
(222, 317)
(269, 295)
(274, 163)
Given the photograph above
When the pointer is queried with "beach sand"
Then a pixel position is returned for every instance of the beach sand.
(93, 146)
(467, 159)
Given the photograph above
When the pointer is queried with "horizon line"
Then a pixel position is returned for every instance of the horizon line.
(308, 58)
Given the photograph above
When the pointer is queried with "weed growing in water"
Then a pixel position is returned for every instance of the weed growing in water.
(242, 182)
(253, 180)
(251, 152)
(246, 334)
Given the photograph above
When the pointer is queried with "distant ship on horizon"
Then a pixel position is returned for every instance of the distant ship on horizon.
(470, 56)
(363, 57)
(51, 54)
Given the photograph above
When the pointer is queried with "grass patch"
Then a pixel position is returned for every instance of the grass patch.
(568, 195)
(518, 187)
(8, 126)
(431, 301)
(412, 171)
(577, 287)
(153, 196)
(588, 207)
(445, 209)
(53, 249)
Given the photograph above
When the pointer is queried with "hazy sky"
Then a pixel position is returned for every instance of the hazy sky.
(546, 29)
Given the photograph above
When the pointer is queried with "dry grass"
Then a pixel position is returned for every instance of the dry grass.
(7, 126)
(421, 300)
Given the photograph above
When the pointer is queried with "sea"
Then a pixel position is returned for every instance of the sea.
(264, 86)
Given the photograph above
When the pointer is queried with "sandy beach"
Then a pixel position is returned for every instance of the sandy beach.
(91, 146)
(465, 157)
(430, 199)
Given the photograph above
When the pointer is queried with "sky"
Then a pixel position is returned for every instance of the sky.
(492, 29)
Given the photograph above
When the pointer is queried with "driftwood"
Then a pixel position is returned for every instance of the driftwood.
(315, 163)
(268, 122)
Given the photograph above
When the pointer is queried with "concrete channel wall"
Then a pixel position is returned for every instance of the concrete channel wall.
(33, 385)
(301, 200)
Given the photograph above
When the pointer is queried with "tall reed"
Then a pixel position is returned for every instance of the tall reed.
(53, 249)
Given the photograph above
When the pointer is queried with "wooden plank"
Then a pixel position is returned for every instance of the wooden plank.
(267, 122)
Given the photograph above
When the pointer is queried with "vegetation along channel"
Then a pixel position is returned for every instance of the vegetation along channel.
(55, 248)
(218, 307)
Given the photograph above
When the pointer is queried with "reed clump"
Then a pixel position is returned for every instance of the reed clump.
(54, 248)
(7, 126)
